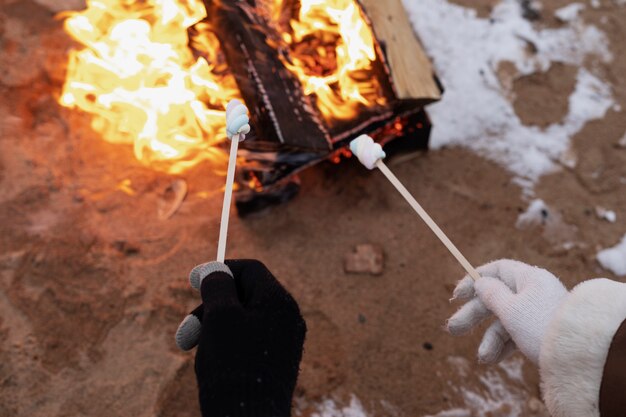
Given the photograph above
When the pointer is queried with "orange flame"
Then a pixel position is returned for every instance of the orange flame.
(332, 51)
(138, 78)
(143, 85)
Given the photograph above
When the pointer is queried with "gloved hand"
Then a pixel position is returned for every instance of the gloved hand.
(523, 298)
(250, 334)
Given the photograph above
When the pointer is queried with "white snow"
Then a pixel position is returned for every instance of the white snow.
(498, 390)
(614, 259)
(604, 214)
(622, 142)
(514, 368)
(535, 214)
(329, 408)
(476, 110)
(569, 12)
(501, 390)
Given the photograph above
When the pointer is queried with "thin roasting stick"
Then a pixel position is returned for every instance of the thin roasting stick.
(429, 221)
(228, 193)
(237, 128)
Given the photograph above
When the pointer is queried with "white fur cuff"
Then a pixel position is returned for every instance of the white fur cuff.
(576, 345)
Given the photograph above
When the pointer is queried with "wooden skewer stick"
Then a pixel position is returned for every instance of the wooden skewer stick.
(429, 221)
(228, 193)
(236, 129)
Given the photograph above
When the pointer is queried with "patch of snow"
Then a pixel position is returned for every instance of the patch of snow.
(390, 409)
(604, 214)
(329, 408)
(500, 392)
(614, 259)
(513, 368)
(460, 365)
(554, 229)
(499, 396)
(570, 245)
(536, 213)
(570, 12)
(622, 142)
(476, 111)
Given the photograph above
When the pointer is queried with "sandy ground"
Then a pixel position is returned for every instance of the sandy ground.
(93, 284)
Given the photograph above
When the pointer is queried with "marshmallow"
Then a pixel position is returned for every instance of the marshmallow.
(237, 120)
(367, 151)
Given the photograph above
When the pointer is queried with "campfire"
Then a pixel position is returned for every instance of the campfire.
(157, 75)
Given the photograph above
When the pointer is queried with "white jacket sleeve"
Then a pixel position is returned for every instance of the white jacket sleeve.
(574, 352)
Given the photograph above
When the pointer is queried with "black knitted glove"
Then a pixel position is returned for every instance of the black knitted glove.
(250, 335)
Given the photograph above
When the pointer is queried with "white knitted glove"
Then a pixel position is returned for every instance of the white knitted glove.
(523, 298)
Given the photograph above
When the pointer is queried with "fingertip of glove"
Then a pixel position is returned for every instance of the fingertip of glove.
(486, 360)
(204, 270)
(464, 289)
(188, 333)
(452, 327)
(487, 354)
(459, 325)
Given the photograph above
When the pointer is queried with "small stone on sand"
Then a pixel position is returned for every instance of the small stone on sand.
(365, 258)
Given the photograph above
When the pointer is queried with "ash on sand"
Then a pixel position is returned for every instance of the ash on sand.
(87, 325)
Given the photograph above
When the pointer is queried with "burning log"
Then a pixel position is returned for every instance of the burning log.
(281, 112)
(413, 76)
(313, 73)
(315, 76)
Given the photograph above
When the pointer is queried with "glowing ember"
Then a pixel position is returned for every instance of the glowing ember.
(143, 85)
(332, 51)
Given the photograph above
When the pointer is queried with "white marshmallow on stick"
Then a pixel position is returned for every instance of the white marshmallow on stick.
(371, 155)
(237, 127)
